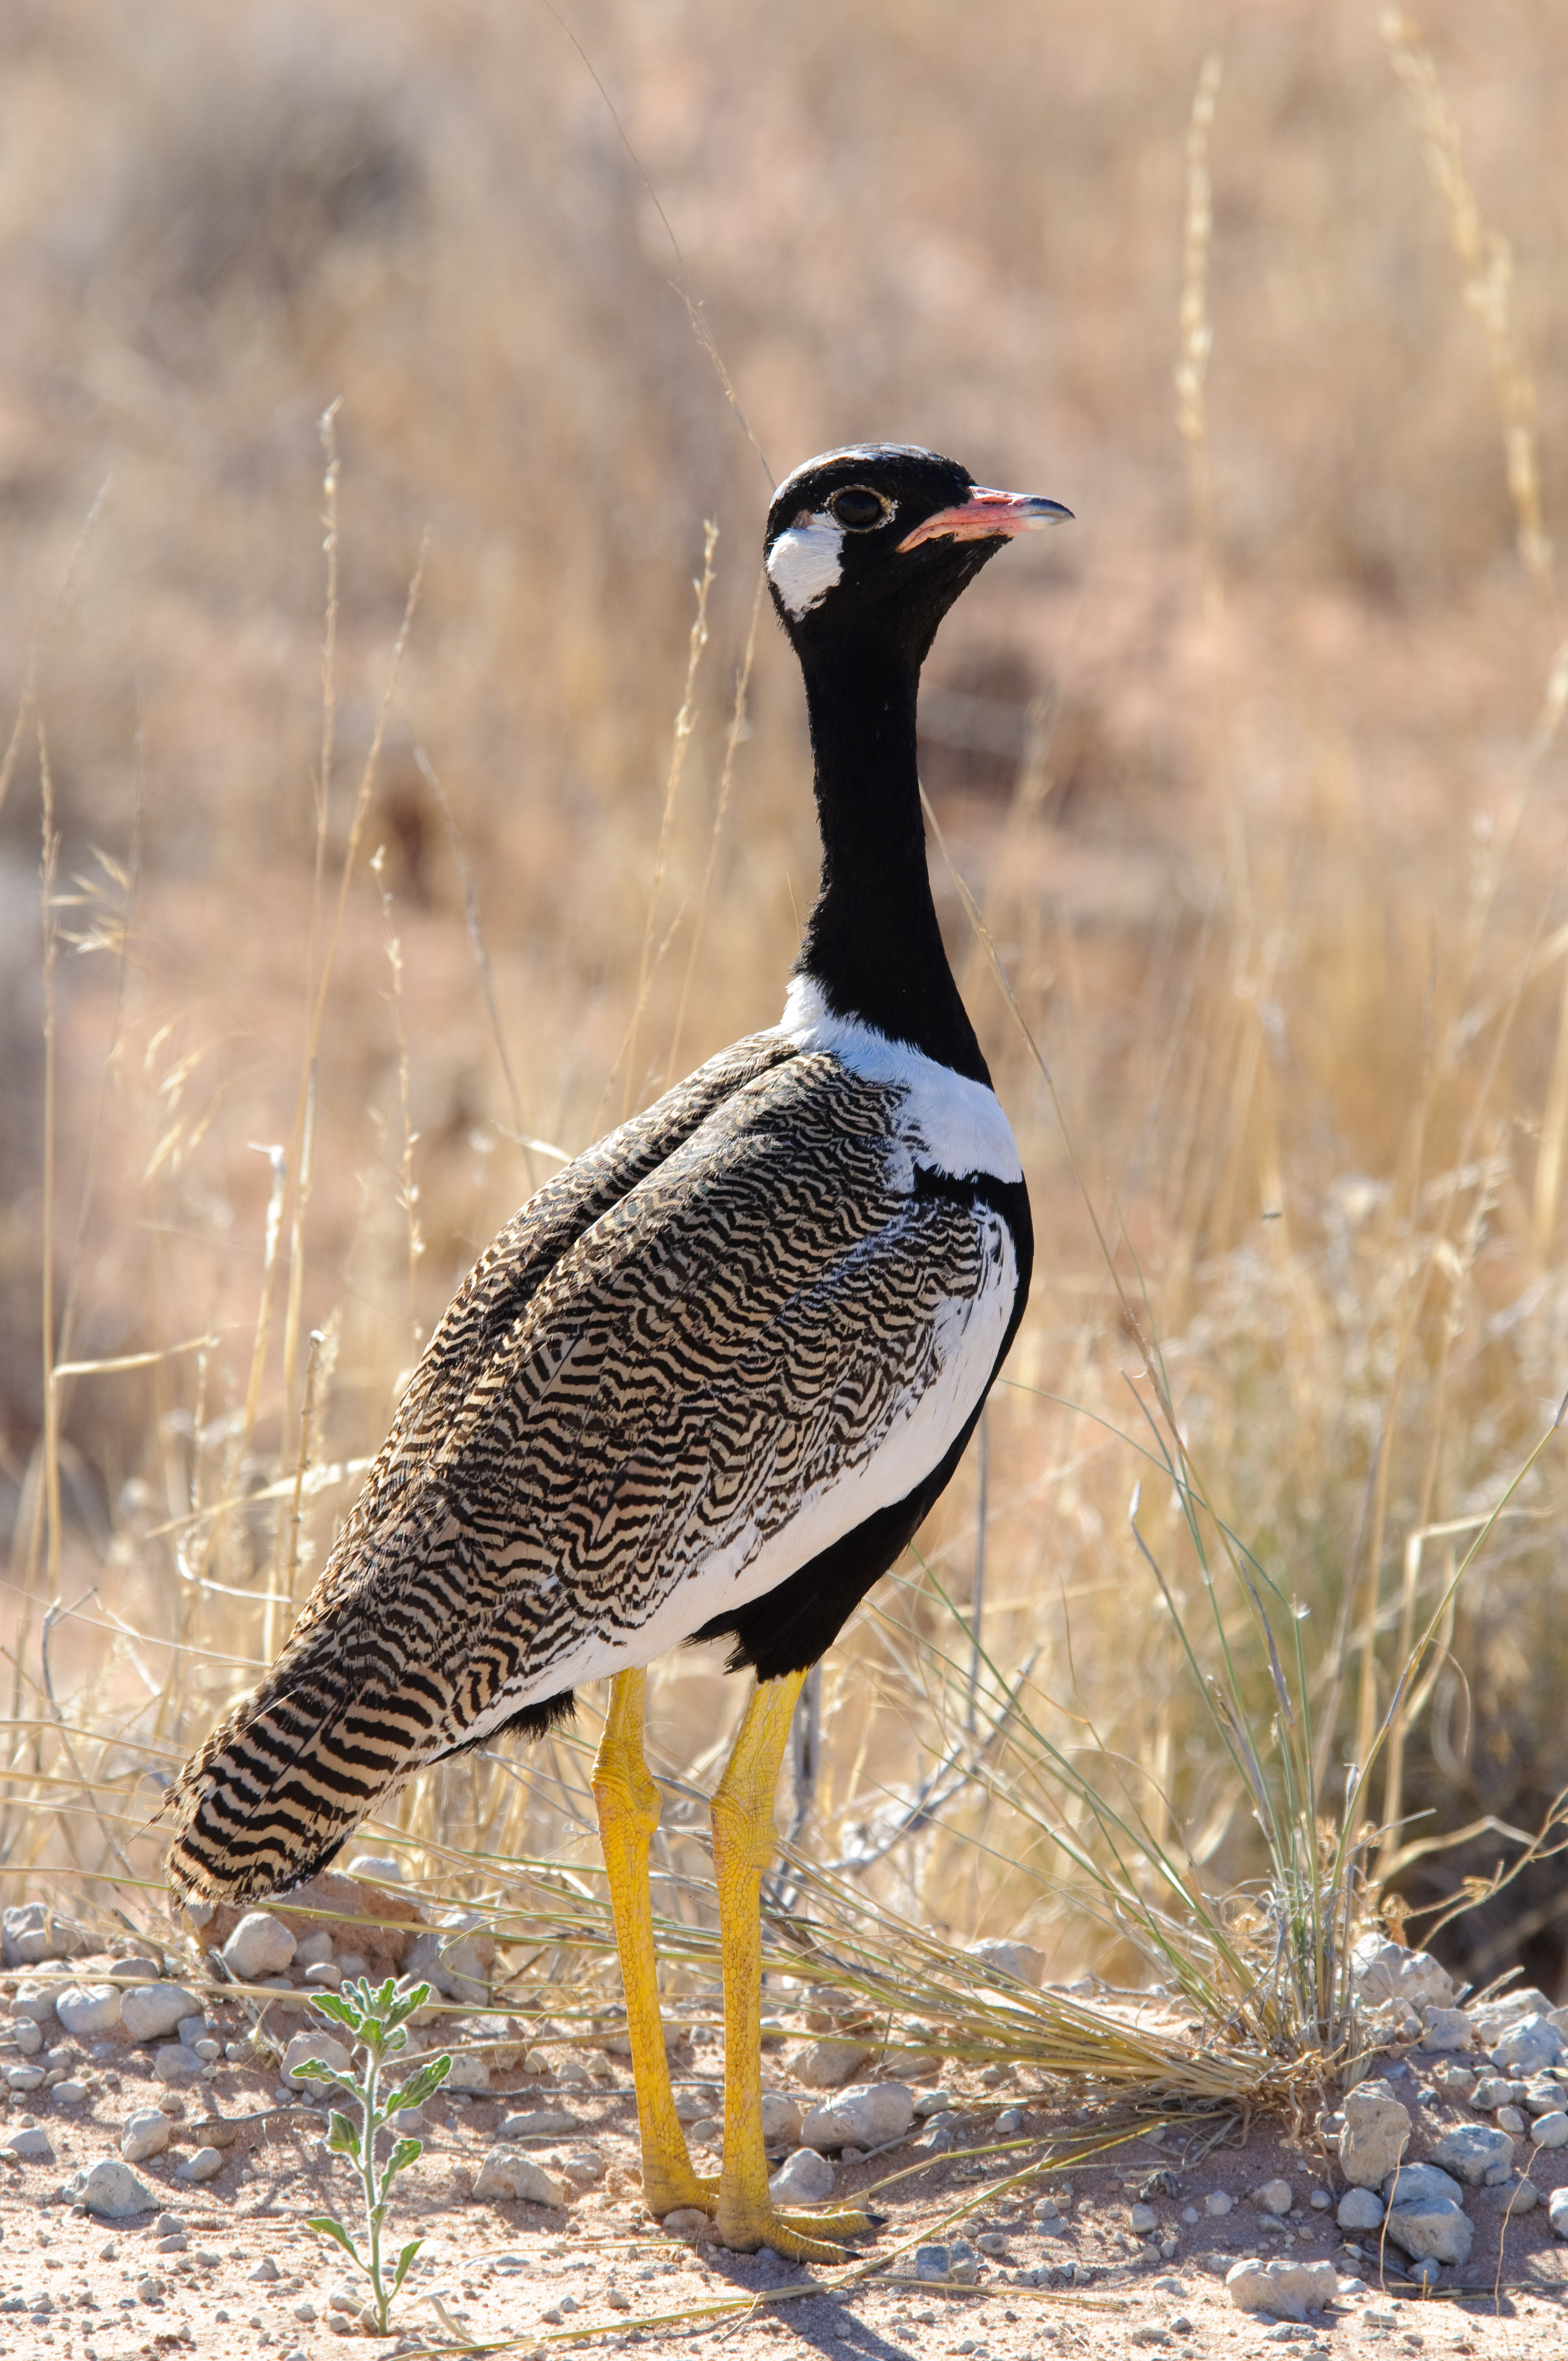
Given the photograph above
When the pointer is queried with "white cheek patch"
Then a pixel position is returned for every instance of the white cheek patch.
(805, 562)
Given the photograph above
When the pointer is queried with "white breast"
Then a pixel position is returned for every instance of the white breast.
(950, 1124)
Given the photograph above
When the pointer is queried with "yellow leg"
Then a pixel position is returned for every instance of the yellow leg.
(628, 1803)
(743, 1844)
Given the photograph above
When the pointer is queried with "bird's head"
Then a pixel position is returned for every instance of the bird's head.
(881, 538)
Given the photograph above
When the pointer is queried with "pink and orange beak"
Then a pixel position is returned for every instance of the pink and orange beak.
(985, 515)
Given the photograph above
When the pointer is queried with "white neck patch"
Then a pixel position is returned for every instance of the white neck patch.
(952, 1123)
(805, 562)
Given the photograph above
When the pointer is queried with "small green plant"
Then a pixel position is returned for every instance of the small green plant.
(378, 2024)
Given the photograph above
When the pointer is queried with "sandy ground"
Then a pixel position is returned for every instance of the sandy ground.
(598, 2270)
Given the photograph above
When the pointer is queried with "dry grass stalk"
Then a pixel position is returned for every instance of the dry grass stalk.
(1488, 263)
(1197, 329)
(686, 722)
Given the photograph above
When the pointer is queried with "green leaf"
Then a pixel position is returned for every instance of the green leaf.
(342, 2136)
(316, 2070)
(342, 2012)
(420, 2084)
(327, 2225)
(405, 2262)
(406, 2151)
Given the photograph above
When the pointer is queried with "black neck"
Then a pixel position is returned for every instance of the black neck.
(871, 942)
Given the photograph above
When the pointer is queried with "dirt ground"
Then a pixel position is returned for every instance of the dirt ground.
(597, 2271)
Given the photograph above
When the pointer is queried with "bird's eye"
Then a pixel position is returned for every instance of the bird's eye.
(857, 508)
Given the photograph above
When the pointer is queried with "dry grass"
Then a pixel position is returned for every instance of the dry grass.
(1253, 781)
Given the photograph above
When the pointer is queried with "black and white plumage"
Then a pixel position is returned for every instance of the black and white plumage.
(707, 1381)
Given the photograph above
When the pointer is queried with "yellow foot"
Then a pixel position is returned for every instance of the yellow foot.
(803, 2238)
(677, 2193)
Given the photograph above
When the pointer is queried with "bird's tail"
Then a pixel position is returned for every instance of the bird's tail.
(294, 1767)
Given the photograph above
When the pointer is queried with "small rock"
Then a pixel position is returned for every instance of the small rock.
(266, 2271)
(150, 2011)
(1218, 2204)
(1010, 2122)
(1320, 2201)
(804, 2180)
(144, 2134)
(1474, 2153)
(504, 2173)
(1359, 2209)
(320, 2046)
(1528, 2046)
(1446, 2029)
(1551, 2131)
(88, 2009)
(782, 2120)
(175, 2067)
(862, 2116)
(1375, 2134)
(260, 1945)
(1509, 2119)
(1274, 2197)
(992, 2242)
(1493, 2020)
(35, 1997)
(931, 2262)
(687, 2222)
(1020, 1960)
(205, 2164)
(455, 1956)
(24, 2078)
(111, 2189)
(506, 2044)
(1557, 2212)
(1143, 2220)
(540, 2122)
(1492, 2091)
(1414, 2183)
(468, 2074)
(1510, 2197)
(963, 2262)
(69, 2093)
(828, 2064)
(1434, 2228)
(26, 2037)
(1426, 2271)
(1382, 1971)
(585, 2167)
(1290, 2290)
(383, 1868)
(30, 2146)
(1544, 2096)
(31, 1931)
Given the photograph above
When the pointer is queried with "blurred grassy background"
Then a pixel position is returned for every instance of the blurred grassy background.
(1254, 812)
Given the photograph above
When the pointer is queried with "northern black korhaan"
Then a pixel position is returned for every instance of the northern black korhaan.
(707, 1382)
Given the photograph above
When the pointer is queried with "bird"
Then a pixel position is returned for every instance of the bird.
(710, 1379)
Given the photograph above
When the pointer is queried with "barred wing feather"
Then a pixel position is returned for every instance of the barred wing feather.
(766, 1333)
